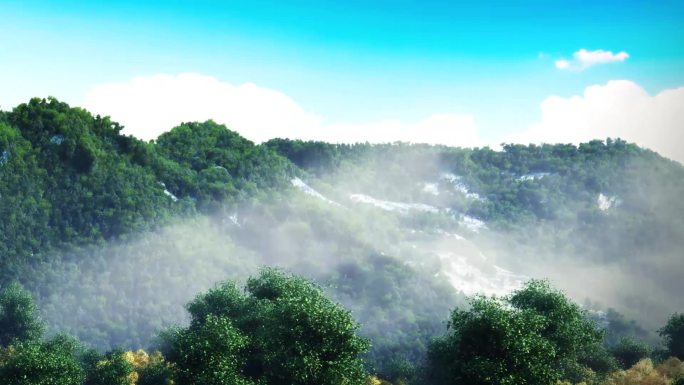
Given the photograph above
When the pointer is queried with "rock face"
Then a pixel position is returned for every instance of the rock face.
(306, 189)
(392, 206)
(606, 203)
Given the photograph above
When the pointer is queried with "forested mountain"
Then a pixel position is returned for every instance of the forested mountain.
(72, 179)
(112, 236)
(601, 209)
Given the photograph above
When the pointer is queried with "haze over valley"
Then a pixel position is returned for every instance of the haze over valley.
(300, 193)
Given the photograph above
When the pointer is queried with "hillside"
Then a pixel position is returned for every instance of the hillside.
(113, 235)
(603, 211)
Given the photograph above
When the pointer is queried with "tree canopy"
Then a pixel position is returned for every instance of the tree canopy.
(535, 336)
(282, 330)
(673, 333)
(18, 316)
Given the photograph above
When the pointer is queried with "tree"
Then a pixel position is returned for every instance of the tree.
(41, 363)
(282, 330)
(673, 334)
(209, 352)
(18, 319)
(629, 351)
(575, 338)
(400, 372)
(535, 336)
(110, 369)
(156, 373)
(491, 344)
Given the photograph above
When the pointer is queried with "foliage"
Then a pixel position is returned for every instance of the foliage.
(41, 363)
(112, 235)
(84, 186)
(148, 369)
(673, 333)
(566, 325)
(18, 319)
(490, 344)
(534, 336)
(89, 183)
(628, 352)
(672, 368)
(400, 372)
(154, 372)
(644, 373)
(283, 331)
(209, 352)
(225, 165)
(109, 369)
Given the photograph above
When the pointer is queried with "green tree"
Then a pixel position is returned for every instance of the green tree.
(18, 318)
(399, 371)
(594, 357)
(629, 351)
(157, 373)
(567, 326)
(108, 369)
(210, 351)
(283, 330)
(535, 336)
(41, 363)
(673, 334)
(492, 344)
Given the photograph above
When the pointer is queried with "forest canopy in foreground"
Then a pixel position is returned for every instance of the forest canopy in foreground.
(282, 329)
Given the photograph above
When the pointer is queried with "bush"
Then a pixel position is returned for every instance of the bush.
(628, 352)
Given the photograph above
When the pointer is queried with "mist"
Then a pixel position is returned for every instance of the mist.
(400, 258)
(611, 238)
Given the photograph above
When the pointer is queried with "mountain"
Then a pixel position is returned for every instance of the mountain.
(113, 235)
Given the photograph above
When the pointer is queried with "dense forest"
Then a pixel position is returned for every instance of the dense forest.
(315, 263)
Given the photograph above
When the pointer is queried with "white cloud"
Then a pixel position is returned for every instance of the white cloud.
(562, 64)
(583, 59)
(149, 106)
(620, 108)
(589, 58)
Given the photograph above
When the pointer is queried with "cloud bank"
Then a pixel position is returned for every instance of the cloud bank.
(584, 59)
(151, 105)
(619, 108)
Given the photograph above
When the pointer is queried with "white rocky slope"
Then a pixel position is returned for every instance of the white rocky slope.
(471, 272)
(605, 203)
(462, 262)
(392, 206)
(306, 189)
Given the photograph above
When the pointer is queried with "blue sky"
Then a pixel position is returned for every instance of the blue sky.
(350, 62)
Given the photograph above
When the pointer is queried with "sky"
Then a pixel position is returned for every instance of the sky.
(462, 73)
